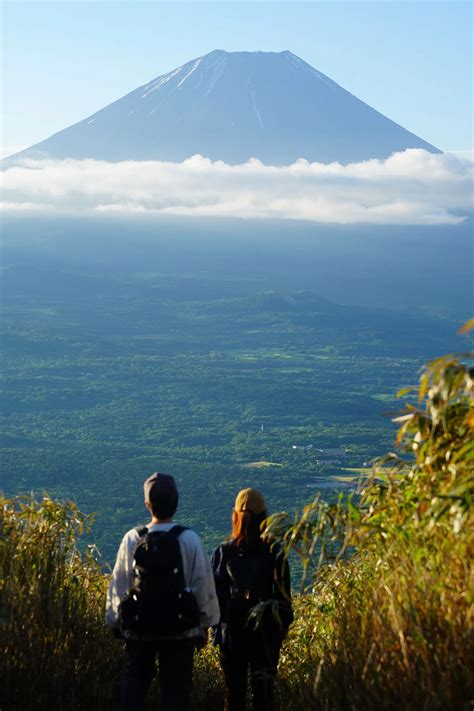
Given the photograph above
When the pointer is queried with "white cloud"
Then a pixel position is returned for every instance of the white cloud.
(411, 187)
(466, 154)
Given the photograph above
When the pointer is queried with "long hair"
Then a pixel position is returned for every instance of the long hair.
(246, 528)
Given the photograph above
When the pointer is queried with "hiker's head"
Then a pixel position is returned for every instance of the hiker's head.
(247, 516)
(161, 495)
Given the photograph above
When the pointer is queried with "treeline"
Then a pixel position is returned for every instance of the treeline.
(385, 621)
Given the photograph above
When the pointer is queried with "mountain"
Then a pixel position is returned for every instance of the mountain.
(234, 106)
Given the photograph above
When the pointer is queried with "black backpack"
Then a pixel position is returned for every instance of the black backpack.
(158, 603)
(253, 580)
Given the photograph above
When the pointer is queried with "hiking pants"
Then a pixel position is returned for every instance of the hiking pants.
(175, 660)
(262, 661)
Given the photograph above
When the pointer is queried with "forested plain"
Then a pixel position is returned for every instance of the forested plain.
(126, 356)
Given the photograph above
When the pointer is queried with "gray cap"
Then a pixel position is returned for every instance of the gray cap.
(160, 486)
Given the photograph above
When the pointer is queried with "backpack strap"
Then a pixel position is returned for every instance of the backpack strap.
(176, 531)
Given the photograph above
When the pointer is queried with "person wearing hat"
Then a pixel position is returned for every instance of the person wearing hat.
(253, 587)
(175, 652)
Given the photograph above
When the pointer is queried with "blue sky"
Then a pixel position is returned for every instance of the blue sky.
(64, 60)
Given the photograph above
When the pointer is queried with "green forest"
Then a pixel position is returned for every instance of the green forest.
(107, 378)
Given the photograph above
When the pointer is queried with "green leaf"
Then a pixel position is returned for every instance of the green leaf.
(404, 391)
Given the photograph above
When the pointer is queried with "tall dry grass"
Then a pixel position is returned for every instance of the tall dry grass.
(56, 652)
(391, 626)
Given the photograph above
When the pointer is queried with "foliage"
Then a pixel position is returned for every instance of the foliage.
(391, 625)
(55, 650)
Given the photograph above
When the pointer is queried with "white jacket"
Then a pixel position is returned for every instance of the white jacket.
(197, 571)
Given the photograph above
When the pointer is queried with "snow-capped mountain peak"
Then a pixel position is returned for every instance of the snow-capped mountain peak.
(233, 106)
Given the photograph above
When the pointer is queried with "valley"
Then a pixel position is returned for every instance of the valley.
(221, 375)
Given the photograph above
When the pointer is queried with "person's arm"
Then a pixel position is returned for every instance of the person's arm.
(220, 574)
(201, 580)
(120, 581)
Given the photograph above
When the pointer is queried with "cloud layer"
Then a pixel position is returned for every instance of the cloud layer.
(411, 187)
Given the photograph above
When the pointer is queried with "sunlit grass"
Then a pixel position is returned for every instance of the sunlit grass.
(391, 625)
(57, 651)
(261, 465)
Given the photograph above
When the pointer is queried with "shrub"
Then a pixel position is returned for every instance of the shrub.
(56, 652)
(390, 626)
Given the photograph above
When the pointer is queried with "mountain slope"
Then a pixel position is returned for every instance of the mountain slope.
(234, 106)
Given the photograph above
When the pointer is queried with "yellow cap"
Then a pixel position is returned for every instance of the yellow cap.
(250, 500)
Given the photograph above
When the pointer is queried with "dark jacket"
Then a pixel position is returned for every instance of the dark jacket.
(245, 578)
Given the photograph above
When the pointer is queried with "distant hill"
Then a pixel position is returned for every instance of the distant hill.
(233, 106)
